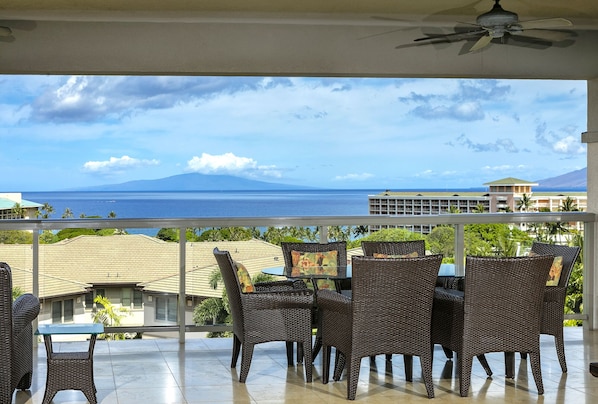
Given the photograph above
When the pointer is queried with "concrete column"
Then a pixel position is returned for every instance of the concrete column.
(590, 257)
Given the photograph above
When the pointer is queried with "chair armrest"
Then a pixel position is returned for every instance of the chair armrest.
(333, 301)
(555, 294)
(24, 310)
(297, 298)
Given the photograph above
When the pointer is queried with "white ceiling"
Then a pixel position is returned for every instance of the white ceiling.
(285, 37)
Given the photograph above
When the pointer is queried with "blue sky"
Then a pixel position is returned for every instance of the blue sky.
(60, 132)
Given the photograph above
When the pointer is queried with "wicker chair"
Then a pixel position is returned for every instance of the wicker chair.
(267, 314)
(499, 311)
(341, 247)
(390, 311)
(16, 337)
(394, 247)
(554, 299)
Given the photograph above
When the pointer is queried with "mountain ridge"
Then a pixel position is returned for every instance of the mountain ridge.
(573, 179)
(205, 182)
(195, 182)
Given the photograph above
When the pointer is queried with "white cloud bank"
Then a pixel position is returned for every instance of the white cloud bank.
(230, 164)
(117, 164)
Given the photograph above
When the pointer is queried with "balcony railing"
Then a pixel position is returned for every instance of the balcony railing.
(458, 221)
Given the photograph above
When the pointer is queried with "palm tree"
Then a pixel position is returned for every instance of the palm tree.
(524, 203)
(47, 210)
(109, 316)
(479, 208)
(568, 205)
(68, 213)
(453, 209)
(18, 211)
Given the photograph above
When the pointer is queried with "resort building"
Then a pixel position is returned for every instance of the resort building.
(505, 195)
(13, 206)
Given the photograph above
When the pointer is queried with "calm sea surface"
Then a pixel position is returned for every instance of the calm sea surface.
(207, 204)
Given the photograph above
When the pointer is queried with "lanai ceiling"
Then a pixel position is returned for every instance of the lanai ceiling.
(287, 37)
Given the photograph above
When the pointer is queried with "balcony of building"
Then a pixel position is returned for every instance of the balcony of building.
(185, 367)
(162, 370)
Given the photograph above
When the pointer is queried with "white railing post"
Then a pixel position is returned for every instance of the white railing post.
(323, 234)
(589, 276)
(459, 249)
(182, 281)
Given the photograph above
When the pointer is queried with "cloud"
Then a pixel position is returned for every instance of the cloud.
(94, 98)
(465, 103)
(564, 143)
(230, 164)
(505, 168)
(116, 165)
(503, 144)
(353, 177)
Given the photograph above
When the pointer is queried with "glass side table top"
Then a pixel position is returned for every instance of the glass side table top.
(82, 328)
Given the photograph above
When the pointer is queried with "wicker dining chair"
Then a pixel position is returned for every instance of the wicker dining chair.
(371, 248)
(553, 309)
(394, 247)
(264, 316)
(390, 311)
(341, 260)
(16, 337)
(499, 311)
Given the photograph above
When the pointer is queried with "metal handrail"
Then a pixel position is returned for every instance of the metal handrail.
(322, 222)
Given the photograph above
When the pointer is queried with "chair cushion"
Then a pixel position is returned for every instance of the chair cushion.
(244, 278)
(555, 270)
(413, 254)
(314, 263)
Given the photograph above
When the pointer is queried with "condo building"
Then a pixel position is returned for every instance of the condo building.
(505, 195)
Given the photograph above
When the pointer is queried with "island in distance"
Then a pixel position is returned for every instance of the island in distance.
(204, 182)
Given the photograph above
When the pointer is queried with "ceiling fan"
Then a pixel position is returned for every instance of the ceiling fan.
(500, 23)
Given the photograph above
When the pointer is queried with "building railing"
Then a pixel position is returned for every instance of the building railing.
(458, 221)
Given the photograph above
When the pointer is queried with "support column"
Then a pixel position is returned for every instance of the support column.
(590, 257)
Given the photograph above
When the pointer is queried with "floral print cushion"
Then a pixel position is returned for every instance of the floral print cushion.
(316, 263)
(244, 278)
(555, 270)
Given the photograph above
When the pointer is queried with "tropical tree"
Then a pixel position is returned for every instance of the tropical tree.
(479, 208)
(441, 240)
(45, 211)
(109, 316)
(525, 203)
(453, 209)
(568, 205)
(68, 213)
(18, 211)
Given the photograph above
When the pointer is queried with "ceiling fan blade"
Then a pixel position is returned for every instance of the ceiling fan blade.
(546, 35)
(457, 36)
(545, 23)
(5, 31)
(481, 43)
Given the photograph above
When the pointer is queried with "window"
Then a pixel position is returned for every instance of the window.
(137, 298)
(166, 308)
(63, 311)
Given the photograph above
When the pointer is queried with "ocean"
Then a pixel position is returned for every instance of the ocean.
(207, 204)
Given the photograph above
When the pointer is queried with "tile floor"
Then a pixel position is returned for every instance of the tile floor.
(152, 371)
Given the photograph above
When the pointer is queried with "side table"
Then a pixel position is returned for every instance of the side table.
(70, 370)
